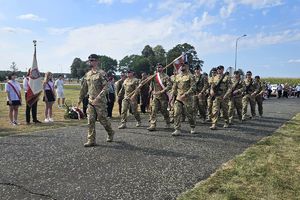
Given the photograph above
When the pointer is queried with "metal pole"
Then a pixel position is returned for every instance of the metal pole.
(236, 47)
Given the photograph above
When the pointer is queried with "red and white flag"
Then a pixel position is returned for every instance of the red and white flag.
(179, 62)
(35, 86)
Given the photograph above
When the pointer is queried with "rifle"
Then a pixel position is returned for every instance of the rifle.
(217, 86)
(248, 87)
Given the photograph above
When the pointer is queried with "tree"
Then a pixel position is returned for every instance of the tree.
(148, 52)
(192, 56)
(108, 64)
(136, 63)
(75, 67)
(160, 54)
(13, 67)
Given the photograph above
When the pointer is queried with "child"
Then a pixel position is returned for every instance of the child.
(14, 98)
(49, 96)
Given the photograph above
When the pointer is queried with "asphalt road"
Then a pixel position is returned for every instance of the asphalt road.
(138, 165)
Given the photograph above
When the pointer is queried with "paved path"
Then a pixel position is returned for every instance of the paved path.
(138, 165)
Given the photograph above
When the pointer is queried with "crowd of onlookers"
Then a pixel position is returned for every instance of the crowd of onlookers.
(282, 90)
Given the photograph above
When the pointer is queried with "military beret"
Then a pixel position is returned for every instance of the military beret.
(93, 56)
(220, 67)
(213, 69)
(197, 67)
(257, 77)
(236, 72)
(249, 72)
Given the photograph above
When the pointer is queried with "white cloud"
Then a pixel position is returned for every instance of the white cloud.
(205, 20)
(108, 2)
(227, 10)
(294, 61)
(14, 30)
(258, 4)
(30, 17)
(128, 1)
(59, 31)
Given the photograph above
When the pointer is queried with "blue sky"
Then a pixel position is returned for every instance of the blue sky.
(75, 28)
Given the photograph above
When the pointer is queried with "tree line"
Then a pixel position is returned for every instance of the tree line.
(145, 62)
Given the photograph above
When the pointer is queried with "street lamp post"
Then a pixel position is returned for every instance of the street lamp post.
(236, 45)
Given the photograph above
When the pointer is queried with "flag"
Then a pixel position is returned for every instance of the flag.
(35, 85)
(179, 62)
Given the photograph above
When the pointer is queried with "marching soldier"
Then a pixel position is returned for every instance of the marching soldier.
(200, 103)
(171, 106)
(184, 89)
(160, 86)
(235, 102)
(249, 95)
(209, 98)
(219, 94)
(119, 84)
(144, 93)
(95, 86)
(130, 85)
(259, 96)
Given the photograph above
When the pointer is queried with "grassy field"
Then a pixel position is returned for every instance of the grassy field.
(268, 170)
(290, 81)
(71, 93)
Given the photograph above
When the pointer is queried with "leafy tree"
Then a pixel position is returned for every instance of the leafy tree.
(136, 63)
(108, 64)
(13, 67)
(75, 67)
(160, 54)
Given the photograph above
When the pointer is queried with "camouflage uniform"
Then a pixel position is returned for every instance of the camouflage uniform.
(249, 96)
(200, 102)
(209, 100)
(184, 84)
(129, 85)
(235, 102)
(219, 99)
(95, 86)
(259, 97)
(171, 106)
(119, 84)
(160, 101)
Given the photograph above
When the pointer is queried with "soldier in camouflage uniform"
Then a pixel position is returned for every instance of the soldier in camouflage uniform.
(219, 94)
(209, 98)
(249, 95)
(200, 103)
(95, 85)
(235, 102)
(130, 85)
(160, 85)
(171, 106)
(259, 97)
(119, 84)
(184, 89)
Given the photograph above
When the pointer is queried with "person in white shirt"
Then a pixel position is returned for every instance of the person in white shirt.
(59, 86)
(14, 98)
(298, 90)
(49, 96)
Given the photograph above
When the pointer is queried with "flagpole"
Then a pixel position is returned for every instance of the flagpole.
(152, 76)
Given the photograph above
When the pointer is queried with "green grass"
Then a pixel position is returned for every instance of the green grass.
(268, 170)
(71, 94)
(290, 81)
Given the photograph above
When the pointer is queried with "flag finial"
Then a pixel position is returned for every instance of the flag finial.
(34, 42)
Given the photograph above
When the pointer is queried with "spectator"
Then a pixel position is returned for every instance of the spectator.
(111, 96)
(298, 90)
(33, 108)
(286, 89)
(14, 98)
(49, 96)
(59, 86)
(279, 91)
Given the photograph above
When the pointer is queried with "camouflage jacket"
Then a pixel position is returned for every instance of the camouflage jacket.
(201, 83)
(249, 86)
(94, 85)
(237, 88)
(184, 84)
(129, 85)
(224, 86)
(118, 86)
(156, 87)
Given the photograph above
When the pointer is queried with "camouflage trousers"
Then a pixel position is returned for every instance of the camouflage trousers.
(259, 101)
(97, 112)
(179, 108)
(209, 107)
(159, 105)
(235, 103)
(246, 99)
(200, 104)
(126, 105)
(218, 104)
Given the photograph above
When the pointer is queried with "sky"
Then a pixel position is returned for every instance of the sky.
(76, 28)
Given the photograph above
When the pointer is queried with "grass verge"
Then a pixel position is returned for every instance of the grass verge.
(269, 170)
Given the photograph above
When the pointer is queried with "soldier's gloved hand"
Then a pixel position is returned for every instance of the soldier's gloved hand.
(235, 92)
(133, 98)
(212, 93)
